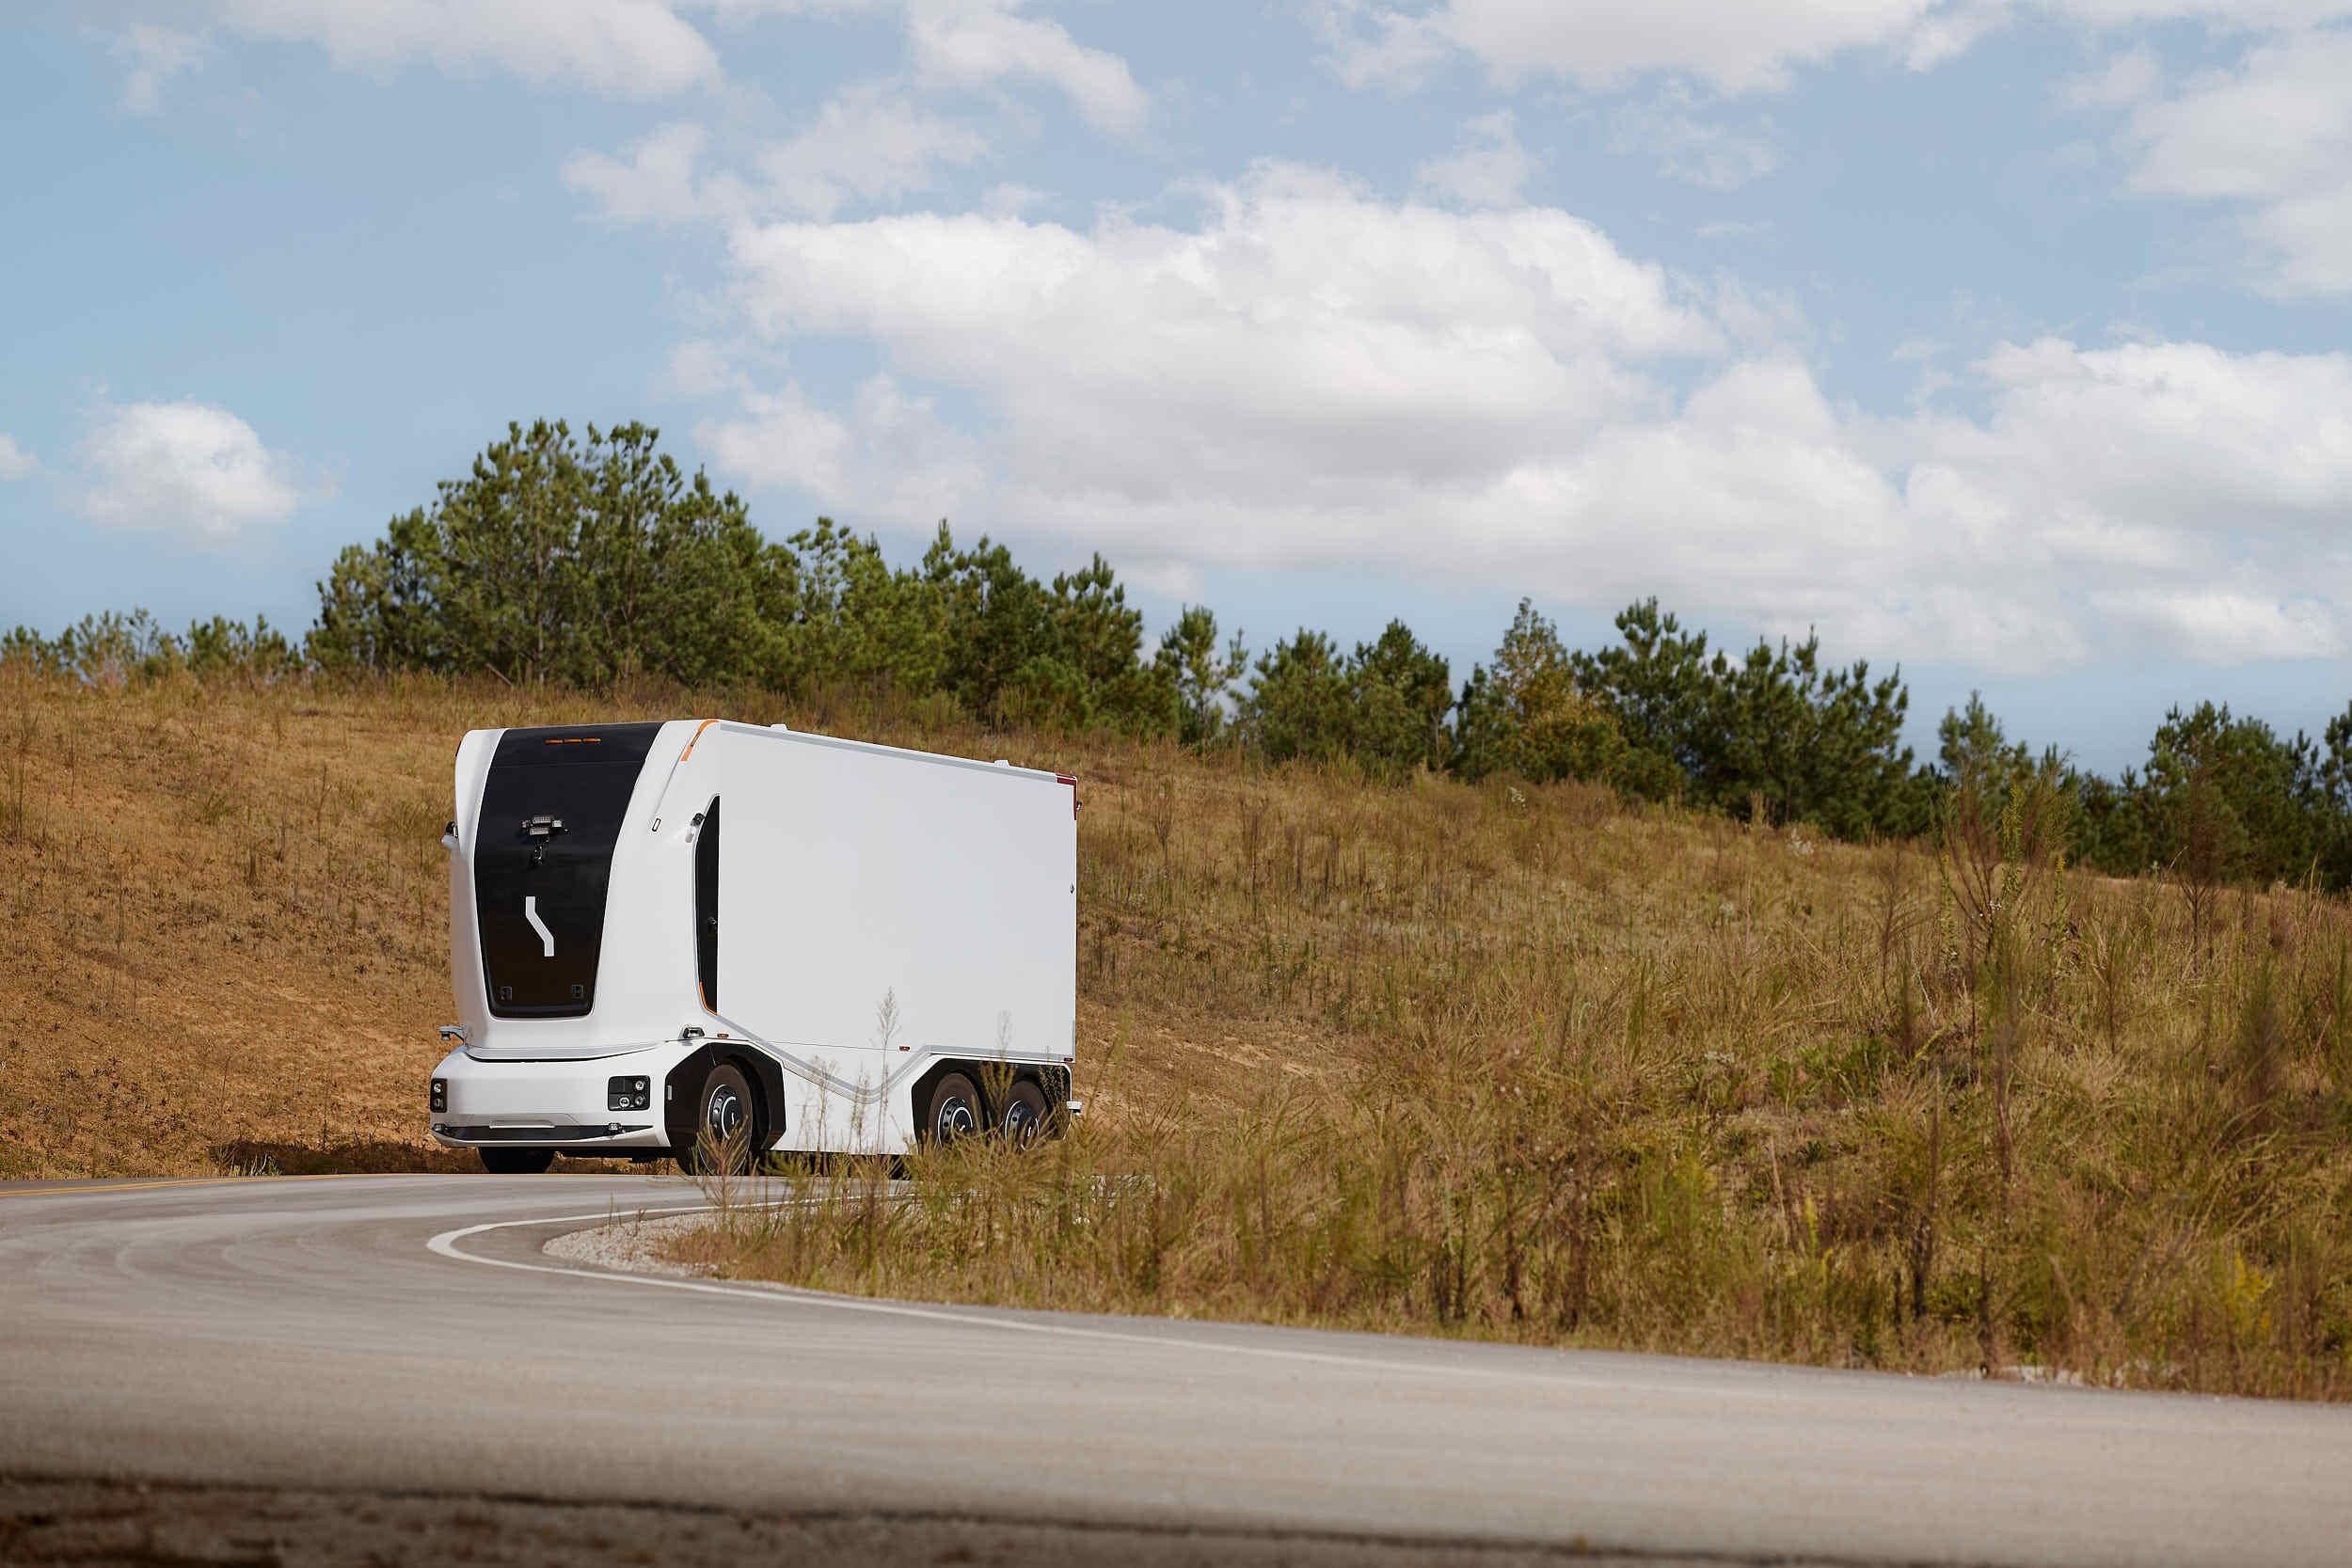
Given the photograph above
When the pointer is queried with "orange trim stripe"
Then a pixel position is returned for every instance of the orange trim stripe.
(695, 740)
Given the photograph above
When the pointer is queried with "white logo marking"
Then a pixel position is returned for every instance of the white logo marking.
(546, 938)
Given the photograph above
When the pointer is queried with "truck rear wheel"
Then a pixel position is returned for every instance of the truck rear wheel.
(517, 1162)
(1024, 1114)
(954, 1111)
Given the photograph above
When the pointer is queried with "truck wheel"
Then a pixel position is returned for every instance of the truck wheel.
(1024, 1114)
(954, 1111)
(726, 1128)
(517, 1162)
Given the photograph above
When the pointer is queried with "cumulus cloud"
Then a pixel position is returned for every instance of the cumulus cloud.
(1488, 167)
(982, 42)
(979, 41)
(1734, 45)
(869, 143)
(2271, 137)
(781, 440)
(181, 467)
(1297, 316)
(890, 451)
(15, 462)
(2197, 495)
(658, 181)
(2226, 626)
(641, 48)
(629, 48)
(1308, 376)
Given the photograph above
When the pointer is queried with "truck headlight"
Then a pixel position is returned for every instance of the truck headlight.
(629, 1094)
(439, 1097)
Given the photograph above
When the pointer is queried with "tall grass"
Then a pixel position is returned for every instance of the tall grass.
(1515, 1063)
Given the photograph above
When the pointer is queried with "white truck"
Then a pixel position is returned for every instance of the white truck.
(675, 938)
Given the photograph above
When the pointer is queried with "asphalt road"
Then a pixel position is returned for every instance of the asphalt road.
(360, 1334)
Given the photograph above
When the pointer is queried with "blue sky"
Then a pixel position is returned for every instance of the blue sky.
(2004, 340)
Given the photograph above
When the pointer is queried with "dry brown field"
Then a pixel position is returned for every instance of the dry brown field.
(1490, 1060)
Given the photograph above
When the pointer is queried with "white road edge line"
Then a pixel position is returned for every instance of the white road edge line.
(446, 1245)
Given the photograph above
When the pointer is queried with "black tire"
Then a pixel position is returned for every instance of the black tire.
(1024, 1119)
(727, 1125)
(953, 1110)
(517, 1162)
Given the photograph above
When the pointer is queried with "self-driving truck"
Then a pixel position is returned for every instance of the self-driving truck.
(709, 940)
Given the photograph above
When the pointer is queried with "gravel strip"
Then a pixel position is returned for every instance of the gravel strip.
(632, 1245)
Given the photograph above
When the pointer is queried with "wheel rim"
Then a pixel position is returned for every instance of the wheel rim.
(955, 1119)
(1021, 1124)
(724, 1115)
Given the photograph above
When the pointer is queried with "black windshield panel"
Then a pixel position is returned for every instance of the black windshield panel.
(551, 811)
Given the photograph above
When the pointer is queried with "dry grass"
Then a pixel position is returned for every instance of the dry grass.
(1495, 1061)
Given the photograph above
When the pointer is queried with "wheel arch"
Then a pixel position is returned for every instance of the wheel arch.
(682, 1092)
(991, 1079)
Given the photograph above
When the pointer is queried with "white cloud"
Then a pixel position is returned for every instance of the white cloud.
(984, 40)
(181, 467)
(781, 439)
(1486, 169)
(2125, 80)
(2197, 497)
(869, 143)
(890, 454)
(2182, 432)
(1298, 305)
(981, 42)
(152, 55)
(638, 48)
(629, 48)
(2272, 137)
(701, 368)
(659, 182)
(2222, 15)
(15, 462)
(2227, 627)
(1307, 377)
(1734, 46)
(1693, 150)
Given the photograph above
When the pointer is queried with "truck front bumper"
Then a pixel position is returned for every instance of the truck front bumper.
(560, 1104)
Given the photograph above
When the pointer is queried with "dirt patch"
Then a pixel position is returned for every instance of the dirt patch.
(142, 1526)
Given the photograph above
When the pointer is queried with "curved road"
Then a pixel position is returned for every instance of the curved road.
(370, 1334)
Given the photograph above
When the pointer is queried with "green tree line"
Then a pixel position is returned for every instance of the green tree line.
(589, 560)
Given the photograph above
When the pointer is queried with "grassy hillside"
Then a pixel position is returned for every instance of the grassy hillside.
(1492, 1060)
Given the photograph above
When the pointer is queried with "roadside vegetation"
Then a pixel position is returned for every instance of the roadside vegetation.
(1523, 1049)
(1517, 1062)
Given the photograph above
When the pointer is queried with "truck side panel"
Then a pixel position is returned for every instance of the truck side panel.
(875, 908)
